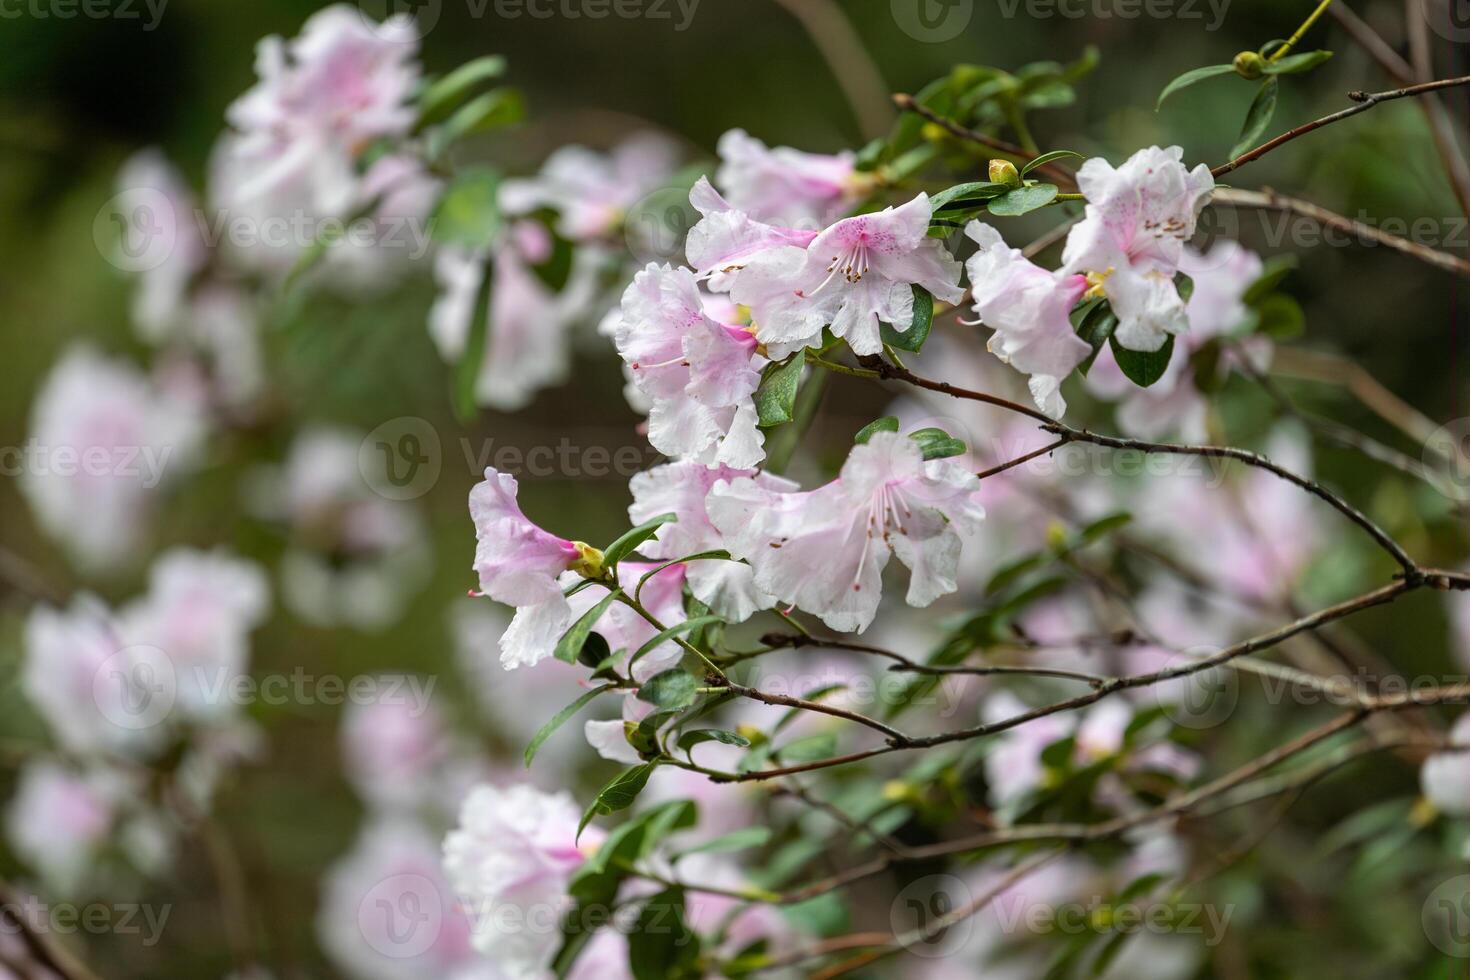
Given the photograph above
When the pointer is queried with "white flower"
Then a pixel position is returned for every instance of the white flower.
(515, 849)
(60, 819)
(593, 192)
(785, 185)
(1138, 218)
(1445, 776)
(824, 550)
(105, 445)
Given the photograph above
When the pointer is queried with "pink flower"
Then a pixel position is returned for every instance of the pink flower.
(1445, 776)
(106, 445)
(785, 185)
(86, 682)
(199, 611)
(519, 564)
(157, 202)
(1138, 218)
(1174, 403)
(699, 375)
(60, 819)
(725, 238)
(853, 276)
(394, 748)
(593, 192)
(388, 913)
(824, 550)
(1028, 308)
(516, 848)
(527, 346)
(320, 99)
(681, 488)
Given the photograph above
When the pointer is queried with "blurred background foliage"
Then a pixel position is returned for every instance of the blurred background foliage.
(78, 96)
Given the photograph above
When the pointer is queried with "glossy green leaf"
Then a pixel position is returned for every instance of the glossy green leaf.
(678, 629)
(1143, 368)
(699, 736)
(1046, 158)
(1023, 200)
(1258, 117)
(736, 840)
(938, 444)
(775, 399)
(964, 196)
(1189, 78)
(888, 423)
(560, 719)
(671, 690)
(1280, 317)
(618, 794)
(661, 946)
(913, 338)
(468, 214)
(630, 541)
(569, 647)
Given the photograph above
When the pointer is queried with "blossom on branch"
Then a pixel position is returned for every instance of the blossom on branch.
(786, 185)
(824, 550)
(1130, 242)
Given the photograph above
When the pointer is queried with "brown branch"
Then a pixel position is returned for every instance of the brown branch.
(908, 104)
(1364, 100)
(787, 701)
(1271, 200)
(1019, 460)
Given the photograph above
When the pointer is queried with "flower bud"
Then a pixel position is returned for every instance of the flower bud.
(1248, 64)
(589, 561)
(1004, 172)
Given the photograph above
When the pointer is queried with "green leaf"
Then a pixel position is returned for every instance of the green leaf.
(963, 196)
(1097, 325)
(1023, 200)
(1280, 317)
(1204, 364)
(1276, 269)
(677, 629)
(661, 945)
(472, 358)
(698, 736)
(629, 542)
(775, 399)
(1102, 527)
(808, 749)
(1258, 117)
(888, 423)
(1143, 368)
(569, 647)
(468, 214)
(913, 338)
(1189, 78)
(671, 690)
(441, 97)
(618, 794)
(736, 840)
(1295, 63)
(1046, 158)
(938, 444)
(559, 719)
(495, 108)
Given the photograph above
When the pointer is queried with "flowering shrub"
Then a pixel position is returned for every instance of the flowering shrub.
(1023, 718)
